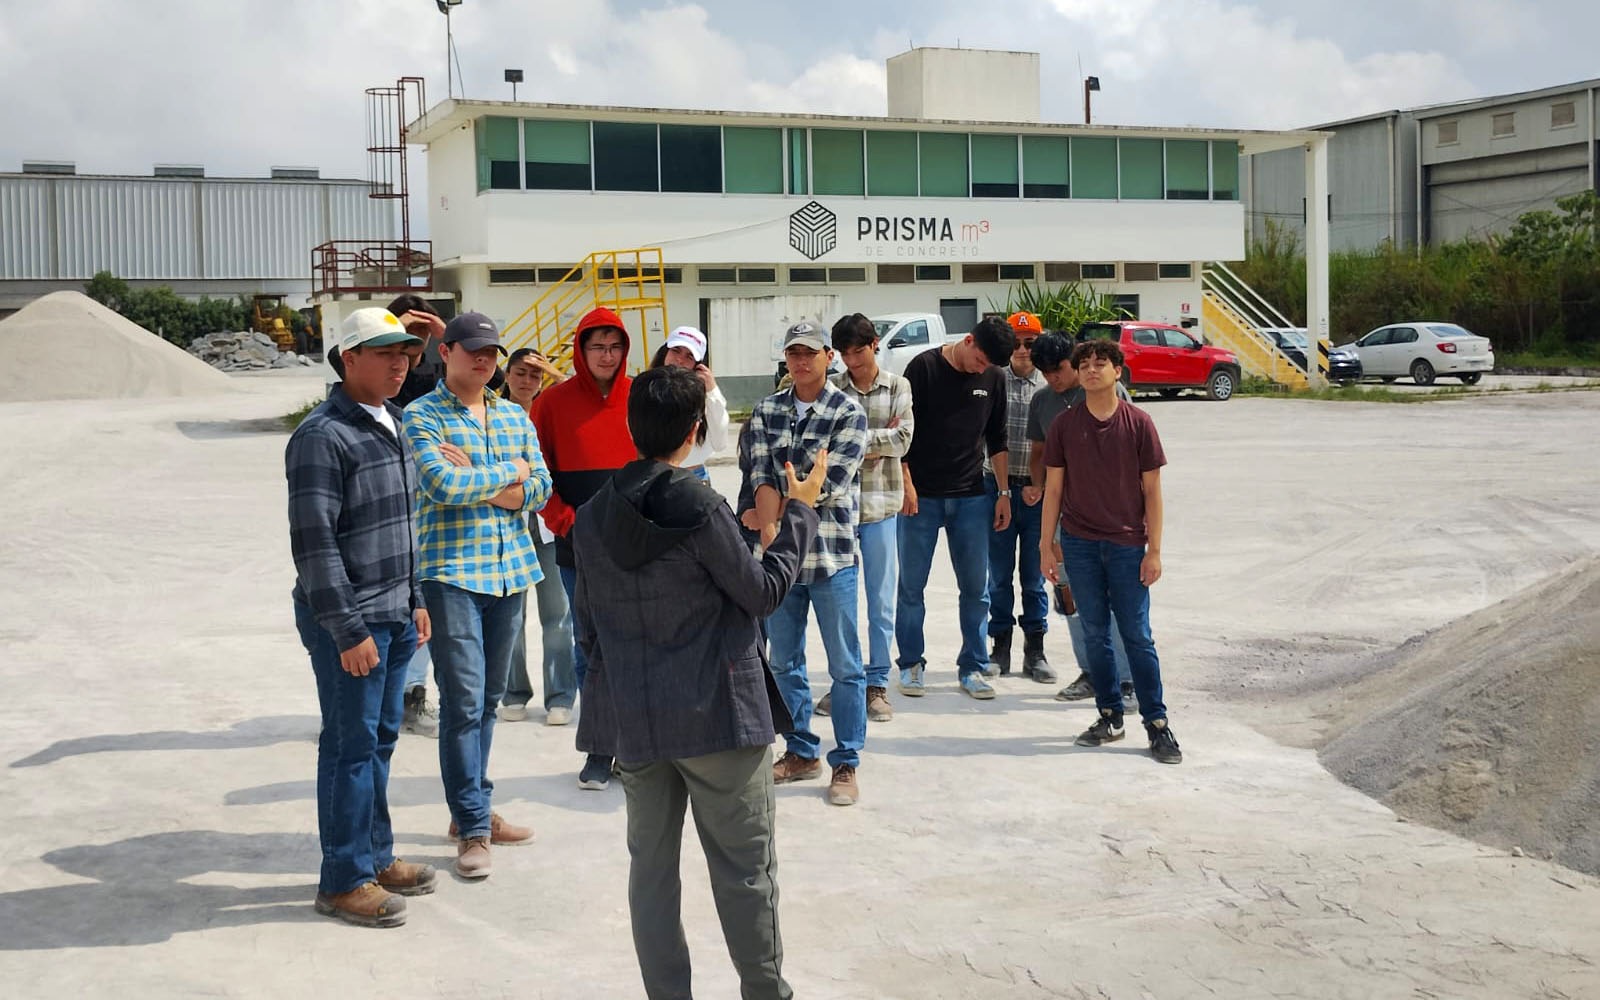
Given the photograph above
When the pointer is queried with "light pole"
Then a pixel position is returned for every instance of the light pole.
(449, 45)
(1090, 83)
(513, 77)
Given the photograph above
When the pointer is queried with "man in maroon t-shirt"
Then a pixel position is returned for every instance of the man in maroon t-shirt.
(1103, 464)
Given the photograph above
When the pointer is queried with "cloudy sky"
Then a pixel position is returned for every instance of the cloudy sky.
(239, 85)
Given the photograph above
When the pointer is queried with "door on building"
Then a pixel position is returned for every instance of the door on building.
(960, 316)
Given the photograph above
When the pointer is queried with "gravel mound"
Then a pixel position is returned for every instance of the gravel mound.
(68, 346)
(1487, 727)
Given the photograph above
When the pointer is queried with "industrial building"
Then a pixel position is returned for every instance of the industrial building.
(940, 206)
(1438, 173)
(216, 236)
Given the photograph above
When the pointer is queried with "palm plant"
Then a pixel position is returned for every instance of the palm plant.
(1066, 307)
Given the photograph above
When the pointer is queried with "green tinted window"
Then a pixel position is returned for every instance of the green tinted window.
(1045, 170)
(797, 161)
(1094, 168)
(1188, 170)
(691, 158)
(836, 161)
(892, 163)
(752, 160)
(1140, 161)
(496, 141)
(994, 166)
(624, 157)
(944, 164)
(556, 155)
(1225, 171)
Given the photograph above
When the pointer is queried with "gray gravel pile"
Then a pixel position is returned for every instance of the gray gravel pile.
(243, 351)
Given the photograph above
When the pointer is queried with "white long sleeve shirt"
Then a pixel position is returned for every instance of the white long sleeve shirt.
(716, 430)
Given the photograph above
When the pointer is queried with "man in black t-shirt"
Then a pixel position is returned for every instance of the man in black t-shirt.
(959, 398)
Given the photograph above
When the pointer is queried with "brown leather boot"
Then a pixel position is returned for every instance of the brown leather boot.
(367, 905)
(472, 858)
(408, 878)
(843, 790)
(793, 767)
(878, 707)
(500, 831)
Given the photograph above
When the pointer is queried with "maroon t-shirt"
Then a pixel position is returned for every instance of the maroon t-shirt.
(1102, 498)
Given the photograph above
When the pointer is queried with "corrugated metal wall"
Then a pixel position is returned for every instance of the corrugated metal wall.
(68, 228)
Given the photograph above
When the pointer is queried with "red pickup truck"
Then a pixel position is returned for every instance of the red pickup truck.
(1168, 359)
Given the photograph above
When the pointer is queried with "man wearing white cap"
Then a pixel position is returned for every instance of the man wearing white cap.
(358, 608)
(686, 348)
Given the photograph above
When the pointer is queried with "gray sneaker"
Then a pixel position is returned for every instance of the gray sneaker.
(975, 685)
(825, 706)
(910, 683)
(420, 717)
(1078, 690)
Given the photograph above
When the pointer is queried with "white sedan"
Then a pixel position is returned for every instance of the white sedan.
(1424, 351)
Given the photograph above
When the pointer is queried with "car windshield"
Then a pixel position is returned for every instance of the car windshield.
(1100, 331)
(1449, 331)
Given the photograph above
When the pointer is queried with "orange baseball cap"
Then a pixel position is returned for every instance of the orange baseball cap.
(1024, 322)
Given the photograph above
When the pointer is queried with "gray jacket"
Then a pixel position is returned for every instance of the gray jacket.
(668, 597)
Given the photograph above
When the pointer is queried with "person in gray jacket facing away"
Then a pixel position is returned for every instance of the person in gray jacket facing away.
(678, 689)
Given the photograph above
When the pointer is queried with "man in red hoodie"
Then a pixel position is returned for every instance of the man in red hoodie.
(583, 434)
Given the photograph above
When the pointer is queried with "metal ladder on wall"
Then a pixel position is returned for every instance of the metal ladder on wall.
(624, 281)
(1235, 316)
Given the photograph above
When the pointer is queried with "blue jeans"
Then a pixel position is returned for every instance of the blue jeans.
(580, 665)
(1105, 581)
(967, 522)
(1023, 531)
(472, 639)
(1080, 650)
(417, 668)
(880, 575)
(360, 724)
(835, 601)
(555, 627)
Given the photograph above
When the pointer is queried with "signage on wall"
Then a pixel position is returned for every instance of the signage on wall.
(814, 231)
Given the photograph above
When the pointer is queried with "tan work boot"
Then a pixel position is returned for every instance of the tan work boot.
(368, 905)
(793, 767)
(500, 832)
(878, 707)
(472, 858)
(407, 878)
(842, 788)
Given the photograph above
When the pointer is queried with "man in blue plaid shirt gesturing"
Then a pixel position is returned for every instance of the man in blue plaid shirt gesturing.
(796, 425)
(479, 471)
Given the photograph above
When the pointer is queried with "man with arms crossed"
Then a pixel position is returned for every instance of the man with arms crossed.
(1103, 463)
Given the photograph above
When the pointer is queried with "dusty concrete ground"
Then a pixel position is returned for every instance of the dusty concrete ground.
(158, 748)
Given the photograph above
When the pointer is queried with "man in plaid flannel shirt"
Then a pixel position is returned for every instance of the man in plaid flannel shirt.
(796, 426)
(479, 472)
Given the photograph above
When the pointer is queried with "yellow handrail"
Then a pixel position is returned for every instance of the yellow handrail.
(597, 280)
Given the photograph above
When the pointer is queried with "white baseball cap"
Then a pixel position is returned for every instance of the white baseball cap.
(373, 327)
(690, 338)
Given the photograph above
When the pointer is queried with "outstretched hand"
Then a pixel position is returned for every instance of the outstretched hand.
(808, 489)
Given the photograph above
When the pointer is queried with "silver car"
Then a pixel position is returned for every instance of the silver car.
(1424, 351)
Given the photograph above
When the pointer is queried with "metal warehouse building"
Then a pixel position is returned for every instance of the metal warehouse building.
(1439, 173)
(216, 236)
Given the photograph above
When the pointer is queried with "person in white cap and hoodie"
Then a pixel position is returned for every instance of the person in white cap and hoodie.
(686, 348)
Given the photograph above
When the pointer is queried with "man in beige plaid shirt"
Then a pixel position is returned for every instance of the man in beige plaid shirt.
(887, 399)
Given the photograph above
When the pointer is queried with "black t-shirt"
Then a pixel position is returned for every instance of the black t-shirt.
(960, 418)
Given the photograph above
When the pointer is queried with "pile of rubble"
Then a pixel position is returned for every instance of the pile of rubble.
(244, 351)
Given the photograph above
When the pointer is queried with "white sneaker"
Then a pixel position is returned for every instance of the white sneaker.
(513, 713)
(558, 715)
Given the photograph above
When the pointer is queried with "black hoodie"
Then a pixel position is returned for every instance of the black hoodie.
(668, 596)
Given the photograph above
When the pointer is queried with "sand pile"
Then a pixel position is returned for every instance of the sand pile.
(1490, 726)
(68, 346)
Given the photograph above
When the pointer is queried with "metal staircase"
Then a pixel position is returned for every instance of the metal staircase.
(624, 281)
(1235, 316)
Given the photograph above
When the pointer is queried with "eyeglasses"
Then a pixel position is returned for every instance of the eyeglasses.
(1024, 343)
(604, 348)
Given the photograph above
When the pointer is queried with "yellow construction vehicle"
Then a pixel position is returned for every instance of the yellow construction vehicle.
(265, 318)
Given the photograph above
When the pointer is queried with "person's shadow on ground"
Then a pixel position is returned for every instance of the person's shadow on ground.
(259, 732)
(139, 896)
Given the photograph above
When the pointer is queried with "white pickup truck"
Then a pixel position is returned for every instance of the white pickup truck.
(902, 336)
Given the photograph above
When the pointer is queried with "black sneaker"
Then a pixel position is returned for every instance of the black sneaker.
(1163, 747)
(596, 773)
(1127, 690)
(1106, 729)
(1078, 690)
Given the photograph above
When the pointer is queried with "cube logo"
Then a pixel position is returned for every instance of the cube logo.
(813, 230)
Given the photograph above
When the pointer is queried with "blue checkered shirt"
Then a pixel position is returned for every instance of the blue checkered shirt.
(838, 423)
(466, 541)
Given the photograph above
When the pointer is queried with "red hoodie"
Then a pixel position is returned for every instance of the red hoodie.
(583, 435)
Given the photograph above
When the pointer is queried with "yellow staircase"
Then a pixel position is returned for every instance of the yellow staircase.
(624, 281)
(1235, 316)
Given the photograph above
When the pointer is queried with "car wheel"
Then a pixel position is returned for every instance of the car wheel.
(1421, 372)
(1346, 383)
(1170, 393)
(1220, 385)
(1471, 379)
(1389, 378)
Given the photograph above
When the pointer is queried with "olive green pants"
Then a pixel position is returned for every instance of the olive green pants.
(730, 794)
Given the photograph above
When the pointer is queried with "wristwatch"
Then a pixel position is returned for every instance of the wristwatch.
(1003, 493)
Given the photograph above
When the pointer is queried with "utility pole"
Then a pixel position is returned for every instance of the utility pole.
(1090, 83)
